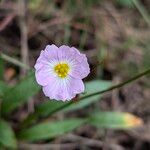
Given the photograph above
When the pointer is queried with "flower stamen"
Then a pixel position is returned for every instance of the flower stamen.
(62, 70)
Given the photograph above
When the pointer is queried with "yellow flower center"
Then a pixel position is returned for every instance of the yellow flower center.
(62, 70)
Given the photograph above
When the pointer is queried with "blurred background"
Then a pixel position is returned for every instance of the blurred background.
(115, 36)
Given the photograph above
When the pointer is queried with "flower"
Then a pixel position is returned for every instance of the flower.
(60, 70)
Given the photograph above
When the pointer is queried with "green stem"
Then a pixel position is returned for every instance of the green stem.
(32, 117)
(14, 61)
(107, 90)
(120, 84)
(142, 11)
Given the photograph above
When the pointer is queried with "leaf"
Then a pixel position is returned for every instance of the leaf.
(114, 120)
(49, 130)
(91, 87)
(19, 94)
(7, 137)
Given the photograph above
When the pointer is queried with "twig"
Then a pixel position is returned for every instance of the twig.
(24, 42)
(91, 142)
(44, 26)
(115, 97)
(6, 21)
(76, 142)
(47, 146)
(23, 30)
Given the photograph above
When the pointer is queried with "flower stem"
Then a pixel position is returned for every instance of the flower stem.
(107, 90)
(29, 119)
(120, 84)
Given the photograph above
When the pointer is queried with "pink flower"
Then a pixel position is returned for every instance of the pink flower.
(60, 71)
